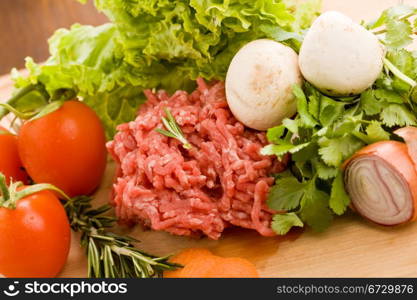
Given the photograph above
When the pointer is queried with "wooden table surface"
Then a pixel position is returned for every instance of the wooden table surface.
(352, 247)
(25, 26)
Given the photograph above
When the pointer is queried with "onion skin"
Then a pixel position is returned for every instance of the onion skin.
(409, 135)
(396, 156)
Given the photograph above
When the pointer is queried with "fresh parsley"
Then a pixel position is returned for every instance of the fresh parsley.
(328, 130)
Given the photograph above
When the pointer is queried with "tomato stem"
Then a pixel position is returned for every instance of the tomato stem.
(50, 108)
(39, 188)
(8, 198)
(10, 194)
(4, 189)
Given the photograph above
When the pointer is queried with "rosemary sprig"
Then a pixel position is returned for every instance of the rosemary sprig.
(173, 129)
(111, 255)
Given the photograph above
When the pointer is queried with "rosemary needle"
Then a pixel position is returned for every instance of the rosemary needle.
(110, 255)
(173, 129)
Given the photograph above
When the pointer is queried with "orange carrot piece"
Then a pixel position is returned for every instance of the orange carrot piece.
(196, 262)
(234, 267)
(187, 255)
(201, 263)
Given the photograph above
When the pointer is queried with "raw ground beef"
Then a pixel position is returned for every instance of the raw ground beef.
(221, 181)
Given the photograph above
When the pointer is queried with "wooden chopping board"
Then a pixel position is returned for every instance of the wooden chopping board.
(352, 247)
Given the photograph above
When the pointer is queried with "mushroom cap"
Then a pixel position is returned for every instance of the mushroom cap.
(259, 84)
(340, 57)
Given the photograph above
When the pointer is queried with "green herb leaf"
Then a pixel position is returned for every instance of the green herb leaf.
(274, 134)
(330, 110)
(334, 128)
(314, 105)
(324, 171)
(314, 208)
(291, 125)
(286, 194)
(174, 130)
(111, 255)
(280, 150)
(405, 62)
(302, 108)
(282, 223)
(398, 33)
(334, 151)
(397, 115)
(370, 104)
(376, 133)
(339, 199)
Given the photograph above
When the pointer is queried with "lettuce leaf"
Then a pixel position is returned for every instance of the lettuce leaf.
(200, 36)
(154, 44)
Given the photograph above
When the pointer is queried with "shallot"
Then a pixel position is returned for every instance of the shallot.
(381, 180)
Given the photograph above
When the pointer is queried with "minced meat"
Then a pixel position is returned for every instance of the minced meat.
(221, 181)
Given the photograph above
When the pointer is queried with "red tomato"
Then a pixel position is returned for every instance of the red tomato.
(35, 237)
(10, 164)
(65, 148)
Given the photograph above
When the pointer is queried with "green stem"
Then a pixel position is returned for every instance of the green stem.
(5, 195)
(173, 129)
(360, 121)
(101, 237)
(382, 31)
(397, 72)
(51, 107)
(7, 107)
(10, 194)
(12, 101)
(130, 253)
(38, 188)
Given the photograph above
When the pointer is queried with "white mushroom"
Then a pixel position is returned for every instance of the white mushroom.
(259, 84)
(340, 57)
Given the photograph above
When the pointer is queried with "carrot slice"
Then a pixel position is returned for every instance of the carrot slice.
(233, 267)
(196, 262)
(201, 263)
(188, 255)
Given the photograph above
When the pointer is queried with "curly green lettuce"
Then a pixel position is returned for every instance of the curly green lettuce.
(154, 44)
